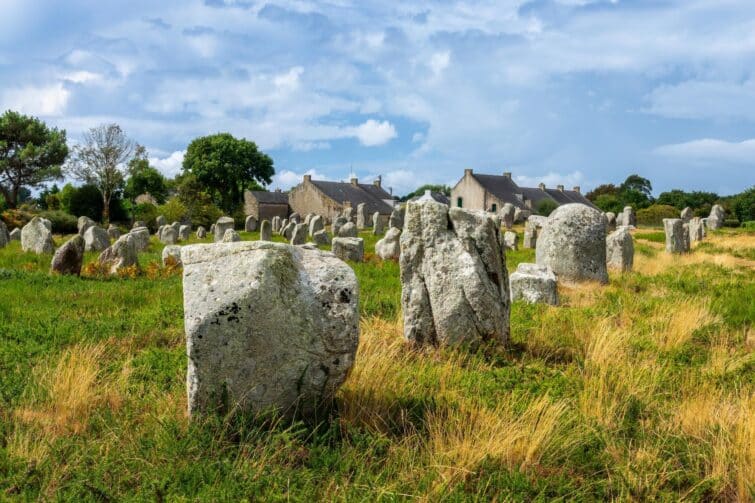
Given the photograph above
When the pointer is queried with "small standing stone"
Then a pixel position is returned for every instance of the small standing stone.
(113, 232)
(83, 223)
(361, 216)
(212, 229)
(610, 221)
(321, 238)
(96, 239)
(315, 224)
(15, 234)
(288, 230)
(337, 224)
(511, 240)
(696, 229)
(4, 236)
(532, 227)
(123, 253)
(276, 224)
(138, 224)
(69, 257)
(677, 237)
(686, 214)
(294, 217)
(36, 237)
(171, 253)
(231, 236)
(620, 250)
(141, 238)
(250, 224)
(348, 230)
(716, 217)
(160, 221)
(521, 215)
(284, 224)
(628, 217)
(201, 232)
(377, 224)
(266, 231)
(397, 218)
(389, 248)
(534, 284)
(183, 232)
(348, 248)
(299, 234)
(168, 235)
(221, 226)
(507, 215)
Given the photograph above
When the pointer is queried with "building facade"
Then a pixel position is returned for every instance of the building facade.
(329, 199)
(264, 205)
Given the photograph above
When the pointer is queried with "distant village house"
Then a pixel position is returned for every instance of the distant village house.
(264, 205)
(329, 199)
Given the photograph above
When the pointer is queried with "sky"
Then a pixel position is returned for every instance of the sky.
(573, 92)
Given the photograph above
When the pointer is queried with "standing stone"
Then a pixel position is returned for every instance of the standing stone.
(123, 253)
(171, 255)
(620, 250)
(677, 237)
(269, 327)
(231, 236)
(96, 239)
(141, 238)
(83, 223)
(212, 229)
(610, 221)
(686, 214)
(628, 218)
(349, 249)
(315, 224)
(69, 257)
(4, 236)
(521, 216)
(532, 228)
(389, 248)
(222, 225)
(348, 213)
(160, 221)
(535, 284)
(288, 230)
(361, 216)
(36, 237)
(276, 224)
(176, 227)
(183, 232)
(573, 244)
(46, 223)
(454, 283)
(168, 235)
(284, 224)
(337, 224)
(321, 238)
(266, 231)
(138, 224)
(294, 217)
(113, 232)
(397, 218)
(511, 240)
(250, 224)
(696, 229)
(15, 234)
(348, 230)
(507, 215)
(299, 234)
(377, 224)
(716, 217)
(201, 232)
(307, 219)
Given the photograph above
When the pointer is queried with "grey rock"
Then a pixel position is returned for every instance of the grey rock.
(321, 238)
(532, 228)
(83, 223)
(511, 240)
(46, 223)
(222, 225)
(389, 248)
(397, 218)
(168, 235)
(36, 237)
(69, 257)
(184, 232)
(212, 229)
(294, 217)
(677, 237)
(337, 224)
(269, 327)
(348, 213)
(535, 284)
(15, 234)
(288, 230)
(573, 244)
(686, 214)
(299, 234)
(521, 216)
(201, 232)
(454, 281)
(113, 232)
(176, 227)
(141, 238)
(628, 217)
(138, 224)
(231, 236)
(96, 239)
(316, 224)
(348, 248)
(4, 235)
(610, 221)
(377, 224)
(250, 224)
(348, 230)
(171, 253)
(266, 230)
(284, 224)
(696, 229)
(160, 221)
(507, 215)
(716, 218)
(620, 250)
(123, 253)
(308, 218)
(276, 224)
(361, 216)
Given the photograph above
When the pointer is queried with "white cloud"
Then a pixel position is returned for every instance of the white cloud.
(711, 150)
(400, 181)
(439, 62)
(169, 166)
(45, 101)
(287, 178)
(552, 179)
(307, 146)
(373, 133)
(704, 99)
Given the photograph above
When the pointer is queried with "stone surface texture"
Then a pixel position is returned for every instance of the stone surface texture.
(348, 249)
(36, 237)
(69, 257)
(389, 248)
(677, 236)
(535, 284)
(620, 250)
(222, 225)
(96, 239)
(123, 253)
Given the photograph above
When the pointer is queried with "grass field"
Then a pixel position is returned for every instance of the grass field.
(640, 390)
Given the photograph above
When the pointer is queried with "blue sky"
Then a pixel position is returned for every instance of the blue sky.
(579, 92)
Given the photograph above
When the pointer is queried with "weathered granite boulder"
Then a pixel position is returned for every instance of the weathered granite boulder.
(113, 232)
(337, 224)
(389, 248)
(397, 218)
(377, 224)
(511, 240)
(288, 231)
(123, 253)
(455, 287)
(96, 239)
(15, 234)
(610, 221)
(176, 227)
(269, 327)
(532, 228)
(535, 284)
(36, 237)
(266, 231)
(348, 249)
(250, 224)
(316, 224)
(573, 244)
(231, 236)
(348, 230)
(620, 250)
(321, 238)
(212, 229)
(686, 214)
(362, 222)
(46, 223)
(627, 217)
(171, 255)
(294, 217)
(83, 223)
(168, 235)
(4, 235)
(160, 221)
(696, 229)
(69, 257)
(201, 232)
(677, 237)
(138, 224)
(222, 225)
(141, 238)
(507, 215)
(348, 213)
(299, 234)
(521, 216)
(716, 218)
(183, 232)
(276, 224)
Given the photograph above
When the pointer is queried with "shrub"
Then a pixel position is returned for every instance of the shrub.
(546, 207)
(654, 215)
(16, 218)
(62, 222)
(749, 225)
(731, 222)
(173, 210)
(146, 212)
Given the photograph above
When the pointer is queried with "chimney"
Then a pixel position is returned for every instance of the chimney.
(307, 178)
(467, 172)
(377, 181)
(354, 181)
(576, 189)
(560, 188)
(507, 174)
(541, 186)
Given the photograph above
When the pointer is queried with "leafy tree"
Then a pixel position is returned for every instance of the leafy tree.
(143, 178)
(743, 205)
(637, 183)
(546, 207)
(605, 189)
(681, 199)
(443, 189)
(30, 154)
(101, 160)
(87, 201)
(196, 200)
(48, 198)
(226, 166)
(609, 202)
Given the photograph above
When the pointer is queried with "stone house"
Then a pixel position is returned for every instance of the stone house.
(490, 192)
(264, 205)
(329, 199)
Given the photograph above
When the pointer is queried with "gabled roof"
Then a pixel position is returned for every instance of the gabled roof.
(355, 194)
(502, 187)
(534, 194)
(376, 191)
(569, 196)
(266, 197)
(436, 196)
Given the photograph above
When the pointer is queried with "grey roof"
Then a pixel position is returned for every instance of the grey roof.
(376, 191)
(507, 190)
(502, 187)
(534, 194)
(437, 196)
(266, 197)
(355, 194)
(569, 196)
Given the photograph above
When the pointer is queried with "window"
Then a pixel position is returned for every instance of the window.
(494, 208)
(458, 202)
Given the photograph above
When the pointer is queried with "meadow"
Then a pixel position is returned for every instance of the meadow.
(640, 390)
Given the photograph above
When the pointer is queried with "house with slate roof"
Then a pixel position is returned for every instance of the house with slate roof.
(329, 199)
(264, 205)
(490, 192)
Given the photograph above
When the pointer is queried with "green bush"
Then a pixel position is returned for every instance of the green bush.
(146, 212)
(16, 218)
(731, 222)
(173, 210)
(546, 207)
(749, 224)
(654, 215)
(62, 222)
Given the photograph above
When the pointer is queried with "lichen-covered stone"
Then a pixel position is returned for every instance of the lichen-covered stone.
(338, 222)
(348, 248)
(266, 231)
(696, 229)
(507, 215)
(511, 240)
(83, 223)
(171, 253)
(222, 225)
(389, 248)
(397, 218)
(321, 238)
(377, 224)
(362, 221)
(168, 235)
(348, 230)
(183, 232)
(201, 232)
(610, 221)
(250, 224)
(69, 257)
(15, 234)
(686, 214)
(96, 239)
(36, 237)
(121, 254)
(532, 227)
(677, 236)
(535, 284)
(620, 250)
(716, 218)
(276, 224)
(299, 234)
(315, 224)
(141, 238)
(113, 232)
(231, 236)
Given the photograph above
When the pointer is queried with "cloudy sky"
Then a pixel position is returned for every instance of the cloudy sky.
(579, 92)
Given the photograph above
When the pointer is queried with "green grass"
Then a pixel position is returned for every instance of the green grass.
(639, 390)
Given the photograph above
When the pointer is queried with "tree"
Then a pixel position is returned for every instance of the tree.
(608, 189)
(227, 166)
(546, 206)
(101, 160)
(143, 178)
(639, 184)
(30, 154)
(443, 189)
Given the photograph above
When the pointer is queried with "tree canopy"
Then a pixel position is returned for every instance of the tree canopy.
(443, 189)
(30, 154)
(635, 191)
(226, 166)
(143, 178)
